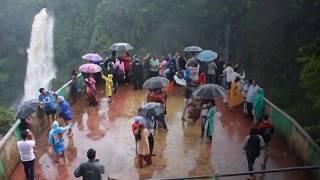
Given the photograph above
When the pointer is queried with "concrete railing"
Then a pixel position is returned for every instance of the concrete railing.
(298, 139)
(9, 153)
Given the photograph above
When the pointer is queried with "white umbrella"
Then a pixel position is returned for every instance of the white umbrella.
(121, 47)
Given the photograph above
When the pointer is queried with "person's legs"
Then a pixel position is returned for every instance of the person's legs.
(31, 169)
(151, 143)
(266, 156)
(140, 82)
(70, 130)
(26, 168)
(162, 119)
(250, 159)
(185, 107)
(203, 123)
(148, 159)
(249, 111)
(140, 160)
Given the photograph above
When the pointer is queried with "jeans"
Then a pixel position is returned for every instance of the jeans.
(151, 143)
(29, 169)
(211, 78)
(249, 110)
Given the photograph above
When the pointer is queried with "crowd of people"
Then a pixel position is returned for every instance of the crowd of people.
(241, 94)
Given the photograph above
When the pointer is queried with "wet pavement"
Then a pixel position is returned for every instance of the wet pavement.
(180, 152)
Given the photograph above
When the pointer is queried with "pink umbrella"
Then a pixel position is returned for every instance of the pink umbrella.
(90, 68)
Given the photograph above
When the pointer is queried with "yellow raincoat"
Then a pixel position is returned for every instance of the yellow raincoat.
(109, 84)
(235, 95)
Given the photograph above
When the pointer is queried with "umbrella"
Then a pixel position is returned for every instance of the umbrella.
(179, 81)
(207, 55)
(92, 57)
(27, 108)
(209, 91)
(156, 83)
(121, 47)
(151, 109)
(192, 49)
(90, 68)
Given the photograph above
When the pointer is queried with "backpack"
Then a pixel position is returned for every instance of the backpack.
(253, 146)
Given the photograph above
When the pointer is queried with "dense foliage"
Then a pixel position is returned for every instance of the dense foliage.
(263, 36)
(6, 120)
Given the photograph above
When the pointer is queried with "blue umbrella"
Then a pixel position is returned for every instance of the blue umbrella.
(207, 56)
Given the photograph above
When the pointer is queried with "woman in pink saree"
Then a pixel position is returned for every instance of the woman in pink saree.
(90, 86)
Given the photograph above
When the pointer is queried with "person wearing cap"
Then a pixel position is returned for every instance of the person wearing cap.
(109, 85)
(65, 112)
(90, 170)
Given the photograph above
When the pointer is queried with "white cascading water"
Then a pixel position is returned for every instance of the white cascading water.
(40, 68)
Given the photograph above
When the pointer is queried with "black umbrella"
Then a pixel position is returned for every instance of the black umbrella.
(209, 91)
(27, 108)
(156, 83)
(151, 109)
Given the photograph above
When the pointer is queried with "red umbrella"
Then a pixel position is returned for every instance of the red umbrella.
(90, 68)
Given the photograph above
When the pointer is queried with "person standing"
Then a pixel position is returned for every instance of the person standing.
(266, 130)
(258, 105)
(252, 146)
(109, 85)
(143, 148)
(210, 122)
(90, 86)
(146, 67)
(48, 100)
(163, 66)
(153, 67)
(127, 66)
(137, 73)
(75, 90)
(211, 72)
(235, 95)
(252, 92)
(27, 156)
(229, 75)
(90, 170)
(65, 112)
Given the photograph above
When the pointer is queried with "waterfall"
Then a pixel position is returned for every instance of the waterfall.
(40, 67)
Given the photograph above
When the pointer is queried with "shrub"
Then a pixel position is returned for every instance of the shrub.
(6, 120)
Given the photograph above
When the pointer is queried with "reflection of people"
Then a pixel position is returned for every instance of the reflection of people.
(26, 154)
(48, 99)
(252, 146)
(143, 148)
(90, 170)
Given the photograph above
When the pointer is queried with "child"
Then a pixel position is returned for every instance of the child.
(56, 139)
(109, 85)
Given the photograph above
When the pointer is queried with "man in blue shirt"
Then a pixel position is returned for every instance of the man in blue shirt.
(48, 100)
(252, 92)
(65, 112)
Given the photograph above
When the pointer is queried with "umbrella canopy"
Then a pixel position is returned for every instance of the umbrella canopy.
(151, 109)
(179, 81)
(209, 91)
(90, 68)
(192, 49)
(207, 56)
(92, 57)
(156, 83)
(27, 108)
(121, 47)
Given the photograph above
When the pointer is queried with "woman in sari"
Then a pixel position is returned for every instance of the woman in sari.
(90, 86)
(258, 105)
(235, 94)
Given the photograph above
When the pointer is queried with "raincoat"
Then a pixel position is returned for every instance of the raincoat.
(210, 122)
(258, 104)
(109, 84)
(55, 138)
(235, 95)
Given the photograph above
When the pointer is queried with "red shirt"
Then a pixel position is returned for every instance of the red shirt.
(155, 97)
(127, 63)
(135, 127)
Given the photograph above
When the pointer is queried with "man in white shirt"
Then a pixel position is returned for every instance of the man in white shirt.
(27, 156)
(252, 92)
(229, 73)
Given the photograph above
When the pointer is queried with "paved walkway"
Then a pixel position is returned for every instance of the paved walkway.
(179, 153)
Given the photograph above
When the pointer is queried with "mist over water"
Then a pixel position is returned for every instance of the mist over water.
(40, 67)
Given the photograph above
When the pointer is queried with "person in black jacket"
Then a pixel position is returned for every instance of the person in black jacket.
(90, 170)
(252, 147)
(137, 73)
